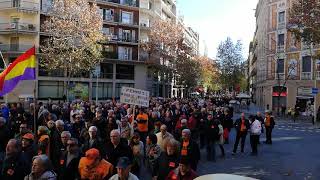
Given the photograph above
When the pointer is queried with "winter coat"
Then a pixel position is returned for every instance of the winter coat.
(165, 164)
(14, 168)
(255, 127)
(48, 175)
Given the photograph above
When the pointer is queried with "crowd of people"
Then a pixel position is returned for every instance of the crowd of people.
(111, 140)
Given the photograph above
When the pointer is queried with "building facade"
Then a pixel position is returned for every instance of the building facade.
(20, 29)
(282, 69)
(126, 23)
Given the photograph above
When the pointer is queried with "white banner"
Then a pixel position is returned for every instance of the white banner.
(134, 96)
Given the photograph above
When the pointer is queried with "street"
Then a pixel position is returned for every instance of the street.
(293, 155)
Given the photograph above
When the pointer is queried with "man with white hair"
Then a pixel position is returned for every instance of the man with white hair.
(117, 148)
(190, 148)
(163, 136)
(94, 141)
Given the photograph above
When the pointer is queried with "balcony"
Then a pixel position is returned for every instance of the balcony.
(281, 25)
(20, 5)
(125, 3)
(280, 76)
(318, 75)
(15, 48)
(119, 56)
(16, 27)
(45, 6)
(114, 39)
(104, 76)
(280, 48)
(306, 76)
(110, 55)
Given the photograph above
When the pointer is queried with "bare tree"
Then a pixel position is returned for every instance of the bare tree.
(74, 28)
(162, 47)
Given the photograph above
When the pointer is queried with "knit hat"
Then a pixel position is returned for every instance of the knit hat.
(28, 136)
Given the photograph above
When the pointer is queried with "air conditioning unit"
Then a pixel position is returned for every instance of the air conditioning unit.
(13, 25)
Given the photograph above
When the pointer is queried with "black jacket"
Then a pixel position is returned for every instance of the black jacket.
(15, 168)
(97, 143)
(69, 171)
(237, 124)
(212, 130)
(113, 154)
(165, 164)
(193, 152)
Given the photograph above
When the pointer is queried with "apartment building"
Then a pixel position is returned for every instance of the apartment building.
(20, 29)
(150, 10)
(281, 68)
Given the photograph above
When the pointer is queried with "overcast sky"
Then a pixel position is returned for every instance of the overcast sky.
(215, 20)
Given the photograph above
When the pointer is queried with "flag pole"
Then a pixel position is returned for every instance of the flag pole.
(5, 65)
(35, 100)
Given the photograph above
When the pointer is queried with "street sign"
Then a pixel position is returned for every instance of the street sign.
(134, 96)
(315, 90)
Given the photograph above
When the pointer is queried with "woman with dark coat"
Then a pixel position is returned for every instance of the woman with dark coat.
(168, 160)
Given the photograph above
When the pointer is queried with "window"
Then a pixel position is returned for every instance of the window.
(126, 35)
(281, 17)
(306, 64)
(120, 85)
(125, 72)
(126, 17)
(107, 70)
(52, 89)
(293, 41)
(125, 53)
(281, 40)
(292, 68)
(280, 66)
(104, 91)
(107, 14)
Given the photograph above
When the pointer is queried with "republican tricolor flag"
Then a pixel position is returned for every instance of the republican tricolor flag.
(23, 68)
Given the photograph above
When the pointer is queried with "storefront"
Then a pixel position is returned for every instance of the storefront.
(304, 98)
(279, 97)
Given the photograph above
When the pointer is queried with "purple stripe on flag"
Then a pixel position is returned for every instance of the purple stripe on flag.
(9, 85)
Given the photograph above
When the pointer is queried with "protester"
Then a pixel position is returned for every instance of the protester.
(4, 135)
(255, 131)
(93, 167)
(94, 141)
(117, 148)
(242, 125)
(168, 159)
(14, 166)
(137, 148)
(212, 134)
(163, 136)
(153, 152)
(183, 172)
(41, 169)
(123, 170)
(189, 148)
(142, 122)
(69, 161)
(43, 141)
(269, 125)
(28, 147)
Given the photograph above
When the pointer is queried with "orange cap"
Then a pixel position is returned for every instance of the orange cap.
(28, 136)
(92, 154)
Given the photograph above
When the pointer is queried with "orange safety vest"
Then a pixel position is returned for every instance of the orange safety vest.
(99, 172)
(142, 126)
(268, 121)
(43, 138)
(184, 150)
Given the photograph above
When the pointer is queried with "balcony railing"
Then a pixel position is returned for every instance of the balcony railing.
(19, 4)
(280, 76)
(282, 25)
(110, 55)
(18, 27)
(131, 3)
(318, 75)
(104, 76)
(18, 48)
(306, 76)
(280, 48)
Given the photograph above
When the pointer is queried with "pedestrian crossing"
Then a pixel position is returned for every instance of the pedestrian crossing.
(297, 127)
